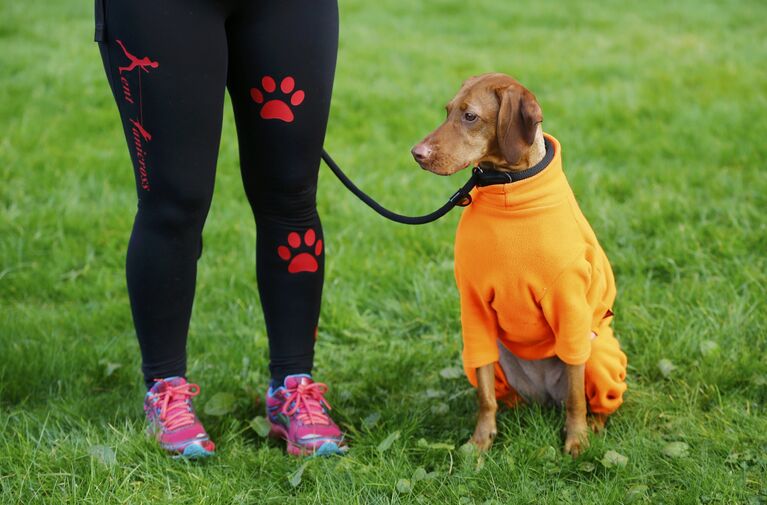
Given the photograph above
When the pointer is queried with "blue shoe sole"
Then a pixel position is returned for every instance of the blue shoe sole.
(330, 449)
(195, 451)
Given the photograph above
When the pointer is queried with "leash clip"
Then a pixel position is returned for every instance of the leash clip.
(465, 202)
(461, 198)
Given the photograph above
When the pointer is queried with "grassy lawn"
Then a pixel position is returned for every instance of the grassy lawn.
(660, 107)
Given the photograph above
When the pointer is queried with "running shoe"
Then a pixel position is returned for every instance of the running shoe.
(172, 420)
(298, 413)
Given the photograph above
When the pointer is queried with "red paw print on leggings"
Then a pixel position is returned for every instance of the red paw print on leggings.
(303, 261)
(277, 108)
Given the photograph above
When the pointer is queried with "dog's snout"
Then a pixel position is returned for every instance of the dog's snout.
(421, 152)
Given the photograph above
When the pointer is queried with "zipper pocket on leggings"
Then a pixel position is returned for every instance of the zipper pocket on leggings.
(101, 28)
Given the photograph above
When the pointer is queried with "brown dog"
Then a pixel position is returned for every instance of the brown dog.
(563, 352)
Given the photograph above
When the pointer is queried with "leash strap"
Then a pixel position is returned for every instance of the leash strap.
(460, 197)
(479, 177)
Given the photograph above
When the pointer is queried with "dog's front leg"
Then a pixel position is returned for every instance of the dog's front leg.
(577, 429)
(485, 432)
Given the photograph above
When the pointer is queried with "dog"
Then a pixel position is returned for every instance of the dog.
(536, 288)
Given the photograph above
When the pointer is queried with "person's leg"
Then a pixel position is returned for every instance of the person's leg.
(282, 62)
(166, 63)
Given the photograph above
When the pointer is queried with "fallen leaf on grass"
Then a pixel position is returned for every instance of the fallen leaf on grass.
(468, 450)
(613, 458)
(434, 393)
(404, 486)
(636, 493)
(109, 367)
(419, 474)
(295, 478)
(388, 441)
(451, 372)
(744, 459)
(666, 367)
(676, 450)
(587, 466)
(440, 408)
(708, 347)
(547, 453)
(220, 404)
(103, 454)
(261, 426)
(371, 420)
(423, 443)
(470, 456)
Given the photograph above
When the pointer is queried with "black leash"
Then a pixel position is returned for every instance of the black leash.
(460, 197)
(479, 177)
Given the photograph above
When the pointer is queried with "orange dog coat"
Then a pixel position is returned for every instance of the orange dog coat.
(533, 277)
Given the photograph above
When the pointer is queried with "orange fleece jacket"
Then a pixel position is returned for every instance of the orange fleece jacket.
(530, 272)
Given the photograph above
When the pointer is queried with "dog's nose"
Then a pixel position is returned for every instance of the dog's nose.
(421, 152)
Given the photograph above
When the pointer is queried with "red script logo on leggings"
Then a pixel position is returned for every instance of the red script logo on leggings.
(277, 108)
(140, 135)
(141, 63)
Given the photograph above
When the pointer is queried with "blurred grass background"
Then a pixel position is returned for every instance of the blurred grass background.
(660, 107)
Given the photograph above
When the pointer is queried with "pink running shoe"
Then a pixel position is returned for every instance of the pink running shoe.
(168, 408)
(298, 413)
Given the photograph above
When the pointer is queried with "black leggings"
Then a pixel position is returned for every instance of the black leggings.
(168, 64)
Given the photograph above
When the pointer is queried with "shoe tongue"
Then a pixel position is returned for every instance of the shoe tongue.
(160, 386)
(293, 381)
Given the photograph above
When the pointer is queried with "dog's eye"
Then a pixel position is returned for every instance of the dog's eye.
(469, 116)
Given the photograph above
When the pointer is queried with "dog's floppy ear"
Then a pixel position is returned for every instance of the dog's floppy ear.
(518, 117)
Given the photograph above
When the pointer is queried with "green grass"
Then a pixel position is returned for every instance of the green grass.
(660, 107)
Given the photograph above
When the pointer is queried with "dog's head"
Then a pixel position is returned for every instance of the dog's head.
(493, 118)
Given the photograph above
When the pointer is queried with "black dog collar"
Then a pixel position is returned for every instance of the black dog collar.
(489, 177)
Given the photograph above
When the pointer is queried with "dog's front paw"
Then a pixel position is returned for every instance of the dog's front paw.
(577, 441)
(484, 435)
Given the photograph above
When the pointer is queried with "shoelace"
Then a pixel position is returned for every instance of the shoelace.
(174, 408)
(308, 400)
